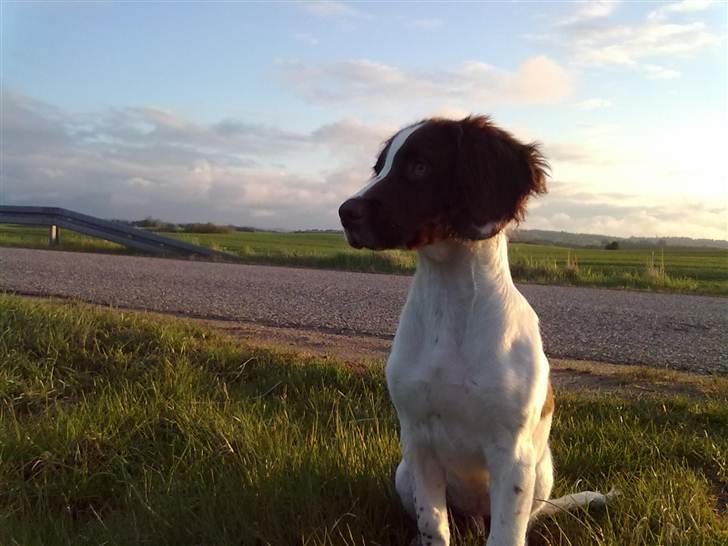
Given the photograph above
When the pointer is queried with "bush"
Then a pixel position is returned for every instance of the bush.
(155, 224)
(208, 227)
(614, 245)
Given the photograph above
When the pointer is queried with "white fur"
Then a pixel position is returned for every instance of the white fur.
(468, 377)
(397, 142)
(487, 229)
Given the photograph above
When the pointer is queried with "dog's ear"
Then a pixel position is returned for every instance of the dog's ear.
(495, 175)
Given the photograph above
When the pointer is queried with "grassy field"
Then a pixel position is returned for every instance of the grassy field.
(118, 428)
(37, 237)
(699, 271)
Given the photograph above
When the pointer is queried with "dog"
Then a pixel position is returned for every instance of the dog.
(467, 373)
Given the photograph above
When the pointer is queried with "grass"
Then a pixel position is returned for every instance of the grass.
(696, 271)
(680, 270)
(37, 237)
(121, 428)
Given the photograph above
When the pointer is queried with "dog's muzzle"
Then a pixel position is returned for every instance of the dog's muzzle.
(353, 213)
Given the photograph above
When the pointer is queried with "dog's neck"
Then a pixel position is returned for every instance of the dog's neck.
(468, 266)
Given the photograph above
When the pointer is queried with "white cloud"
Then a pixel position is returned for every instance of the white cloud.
(572, 152)
(630, 44)
(660, 72)
(589, 10)
(539, 80)
(640, 180)
(137, 162)
(646, 46)
(685, 6)
(571, 207)
(451, 113)
(331, 8)
(597, 8)
(595, 103)
(352, 135)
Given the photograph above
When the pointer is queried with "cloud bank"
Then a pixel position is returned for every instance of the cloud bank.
(362, 82)
(139, 161)
(136, 162)
(590, 38)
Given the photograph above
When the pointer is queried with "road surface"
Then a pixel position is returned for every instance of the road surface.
(665, 330)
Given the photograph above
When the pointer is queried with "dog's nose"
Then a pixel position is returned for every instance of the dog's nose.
(352, 211)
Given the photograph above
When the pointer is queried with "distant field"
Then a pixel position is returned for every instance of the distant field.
(677, 270)
(120, 428)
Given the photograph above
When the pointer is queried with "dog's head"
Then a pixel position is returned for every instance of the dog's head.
(444, 179)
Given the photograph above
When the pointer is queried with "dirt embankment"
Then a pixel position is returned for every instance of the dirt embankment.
(358, 351)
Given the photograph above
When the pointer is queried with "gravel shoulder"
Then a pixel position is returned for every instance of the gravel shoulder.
(663, 330)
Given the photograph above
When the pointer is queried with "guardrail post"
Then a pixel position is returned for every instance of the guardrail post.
(54, 236)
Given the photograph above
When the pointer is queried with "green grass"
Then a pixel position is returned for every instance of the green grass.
(121, 428)
(672, 269)
(37, 237)
(697, 271)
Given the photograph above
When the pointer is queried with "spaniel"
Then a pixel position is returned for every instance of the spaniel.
(467, 373)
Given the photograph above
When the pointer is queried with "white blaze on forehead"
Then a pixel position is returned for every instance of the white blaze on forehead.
(398, 141)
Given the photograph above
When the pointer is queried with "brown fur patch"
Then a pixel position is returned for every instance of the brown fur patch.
(496, 175)
(431, 233)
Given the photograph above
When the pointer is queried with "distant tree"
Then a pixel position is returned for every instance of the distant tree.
(148, 222)
(614, 245)
(154, 224)
(208, 227)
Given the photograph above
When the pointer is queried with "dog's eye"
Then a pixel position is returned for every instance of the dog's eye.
(417, 169)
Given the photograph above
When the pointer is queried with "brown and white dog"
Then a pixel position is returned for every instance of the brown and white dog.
(467, 373)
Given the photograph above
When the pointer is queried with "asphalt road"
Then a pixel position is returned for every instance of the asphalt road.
(665, 330)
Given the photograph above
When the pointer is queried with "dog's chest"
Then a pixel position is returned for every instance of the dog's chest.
(434, 379)
(463, 362)
(439, 375)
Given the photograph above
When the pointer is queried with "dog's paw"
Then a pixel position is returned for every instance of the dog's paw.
(424, 539)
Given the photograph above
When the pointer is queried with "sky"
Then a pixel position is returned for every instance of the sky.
(271, 114)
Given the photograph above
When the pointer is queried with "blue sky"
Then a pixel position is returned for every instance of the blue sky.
(269, 114)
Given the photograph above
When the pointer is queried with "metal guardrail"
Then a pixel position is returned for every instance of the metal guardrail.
(131, 237)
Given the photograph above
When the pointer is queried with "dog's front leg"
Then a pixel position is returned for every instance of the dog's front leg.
(430, 504)
(513, 474)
